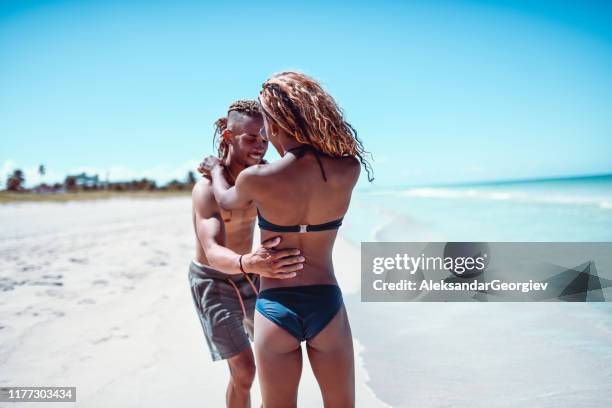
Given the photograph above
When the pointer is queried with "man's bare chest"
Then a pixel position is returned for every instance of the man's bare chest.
(238, 220)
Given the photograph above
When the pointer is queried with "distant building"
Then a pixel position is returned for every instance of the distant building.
(82, 182)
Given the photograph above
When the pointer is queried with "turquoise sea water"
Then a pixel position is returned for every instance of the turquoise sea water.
(564, 209)
(478, 354)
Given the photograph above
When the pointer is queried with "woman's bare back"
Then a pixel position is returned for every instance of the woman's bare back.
(293, 192)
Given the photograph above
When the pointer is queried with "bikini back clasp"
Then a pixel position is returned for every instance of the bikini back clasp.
(300, 228)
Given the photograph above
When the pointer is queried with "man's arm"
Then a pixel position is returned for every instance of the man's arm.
(210, 229)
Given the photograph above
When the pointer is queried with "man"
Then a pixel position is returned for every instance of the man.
(223, 273)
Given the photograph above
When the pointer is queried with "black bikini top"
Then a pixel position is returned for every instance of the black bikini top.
(301, 228)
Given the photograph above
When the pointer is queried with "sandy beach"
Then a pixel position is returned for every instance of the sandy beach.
(94, 294)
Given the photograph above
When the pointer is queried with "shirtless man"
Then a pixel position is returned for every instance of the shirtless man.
(224, 275)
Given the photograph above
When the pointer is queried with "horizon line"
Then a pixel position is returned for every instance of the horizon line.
(506, 181)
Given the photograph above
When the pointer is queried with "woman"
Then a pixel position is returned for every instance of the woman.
(302, 197)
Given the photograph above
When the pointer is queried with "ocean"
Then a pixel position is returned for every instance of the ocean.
(485, 354)
(562, 209)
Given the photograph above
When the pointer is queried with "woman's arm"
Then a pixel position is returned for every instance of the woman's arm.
(236, 197)
(265, 260)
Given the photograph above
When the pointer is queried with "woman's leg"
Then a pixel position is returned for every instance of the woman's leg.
(278, 357)
(331, 356)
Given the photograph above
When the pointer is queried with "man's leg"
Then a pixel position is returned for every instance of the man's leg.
(221, 316)
(242, 374)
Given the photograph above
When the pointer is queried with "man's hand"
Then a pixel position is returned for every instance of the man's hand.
(208, 164)
(272, 263)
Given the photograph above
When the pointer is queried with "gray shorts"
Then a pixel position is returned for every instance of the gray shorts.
(226, 328)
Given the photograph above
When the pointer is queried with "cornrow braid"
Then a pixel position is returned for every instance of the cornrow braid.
(220, 126)
(302, 108)
(244, 106)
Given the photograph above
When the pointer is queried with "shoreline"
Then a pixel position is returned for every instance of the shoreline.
(7, 197)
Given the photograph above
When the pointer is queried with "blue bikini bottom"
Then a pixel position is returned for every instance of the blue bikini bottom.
(303, 311)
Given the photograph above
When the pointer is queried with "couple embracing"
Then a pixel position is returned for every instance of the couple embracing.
(286, 286)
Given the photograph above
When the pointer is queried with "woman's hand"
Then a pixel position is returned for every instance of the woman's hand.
(272, 263)
(208, 164)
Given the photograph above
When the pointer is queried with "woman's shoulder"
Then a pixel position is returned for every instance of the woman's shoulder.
(349, 166)
(258, 172)
(261, 170)
(351, 162)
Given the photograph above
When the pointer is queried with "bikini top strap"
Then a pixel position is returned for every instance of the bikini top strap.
(316, 153)
(302, 150)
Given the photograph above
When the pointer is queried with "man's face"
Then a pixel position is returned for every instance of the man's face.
(249, 147)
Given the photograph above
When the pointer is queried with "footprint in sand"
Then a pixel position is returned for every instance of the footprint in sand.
(49, 280)
(100, 282)
(157, 263)
(48, 312)
(43, 283)
(58, 293)
(116, 333)
(8, 284)
(102, 340)
(24, 311)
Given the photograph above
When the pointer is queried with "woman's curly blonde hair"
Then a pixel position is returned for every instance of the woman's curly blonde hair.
(300, 106)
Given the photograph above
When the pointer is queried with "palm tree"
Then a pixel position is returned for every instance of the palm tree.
(70, 183)
(191, 180)
(41, 173)
(15, 181)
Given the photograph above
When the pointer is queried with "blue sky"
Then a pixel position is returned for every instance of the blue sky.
(438, 91)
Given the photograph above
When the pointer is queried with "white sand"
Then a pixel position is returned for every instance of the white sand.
(95, 295)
